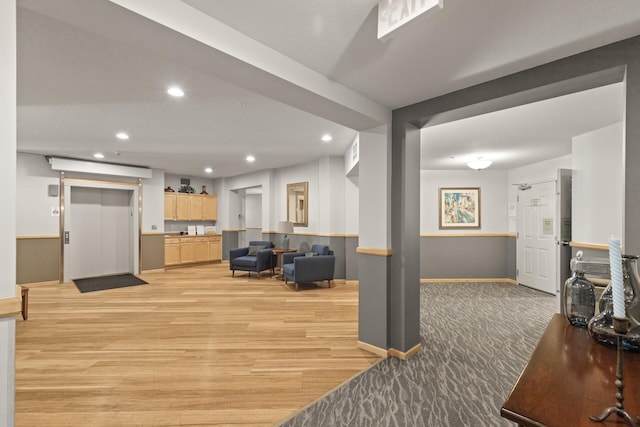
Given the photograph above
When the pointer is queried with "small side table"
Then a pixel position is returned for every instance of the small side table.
(277, 252)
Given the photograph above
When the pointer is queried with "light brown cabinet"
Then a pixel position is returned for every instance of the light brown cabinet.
(171, 251)
(215, 248)
(169, 206)
(201, 249)
(187, 250)
(190, 207)
(210, 208)
(183, 207)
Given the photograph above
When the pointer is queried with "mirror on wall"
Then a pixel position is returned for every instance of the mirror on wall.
(297, 200)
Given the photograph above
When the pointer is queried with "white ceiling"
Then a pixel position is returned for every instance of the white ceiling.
(90, 68)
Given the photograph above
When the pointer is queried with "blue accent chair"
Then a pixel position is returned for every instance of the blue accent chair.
(239, 259)
(299, 268)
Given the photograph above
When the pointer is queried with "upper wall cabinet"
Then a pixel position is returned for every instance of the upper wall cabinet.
(190, 207)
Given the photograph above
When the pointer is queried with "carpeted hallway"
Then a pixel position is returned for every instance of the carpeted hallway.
(476, 339)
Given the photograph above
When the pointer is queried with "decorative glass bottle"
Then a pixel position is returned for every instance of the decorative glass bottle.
(580, 300)
(601, 326)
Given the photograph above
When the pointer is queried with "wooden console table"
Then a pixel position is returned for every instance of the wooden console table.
(568, 378)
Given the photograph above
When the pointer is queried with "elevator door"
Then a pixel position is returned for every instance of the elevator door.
(99, 226)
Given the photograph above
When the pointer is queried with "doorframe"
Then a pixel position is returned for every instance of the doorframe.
(556, 227)
(136, 188)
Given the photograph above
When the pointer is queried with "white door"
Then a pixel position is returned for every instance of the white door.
(536, 238)
(98, 232)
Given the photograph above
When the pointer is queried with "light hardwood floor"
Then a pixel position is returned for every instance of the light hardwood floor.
(193, 347)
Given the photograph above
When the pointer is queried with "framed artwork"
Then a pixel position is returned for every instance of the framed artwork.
(459, 207)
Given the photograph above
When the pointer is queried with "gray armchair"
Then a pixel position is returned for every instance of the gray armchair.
(300, 268)
(257, 257)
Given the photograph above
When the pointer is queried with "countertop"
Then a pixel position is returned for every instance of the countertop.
(177, 234)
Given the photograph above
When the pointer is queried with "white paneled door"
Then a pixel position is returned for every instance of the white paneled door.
(536, 241)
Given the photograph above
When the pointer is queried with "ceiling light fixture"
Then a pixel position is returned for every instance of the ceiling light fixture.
(250, 158)
(123, 136)
(326, 137)
(175, 91)
(208, 170)
(479, 163)
(99, 156)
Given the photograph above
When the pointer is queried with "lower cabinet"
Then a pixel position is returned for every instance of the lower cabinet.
(171, 251)
(215, 249)
(192, 249)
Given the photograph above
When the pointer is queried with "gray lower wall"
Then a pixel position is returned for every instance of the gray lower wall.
(151, 252)
(344, 253)
(351, 258)
(37, 260)
(229, 241)
(375, 274)
(512, 257)
(467, 257)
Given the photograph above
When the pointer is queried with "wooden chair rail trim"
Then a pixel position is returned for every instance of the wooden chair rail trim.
(10, 307)
(589, 246)
(38, 236)
(301, 233)
(374, 251)
(468, 235)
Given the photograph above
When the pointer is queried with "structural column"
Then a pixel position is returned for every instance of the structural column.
(8, 214)
(404, 287)
(388, 251)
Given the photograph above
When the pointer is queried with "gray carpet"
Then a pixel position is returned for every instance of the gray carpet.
(461, 377)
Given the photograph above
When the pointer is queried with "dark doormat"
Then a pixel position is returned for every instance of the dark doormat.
(101, 283)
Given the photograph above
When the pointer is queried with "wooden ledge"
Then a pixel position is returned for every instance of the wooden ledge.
(10, 307)
(374, 251)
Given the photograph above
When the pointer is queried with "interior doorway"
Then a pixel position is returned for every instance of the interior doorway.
(101, 234)
(536, 236)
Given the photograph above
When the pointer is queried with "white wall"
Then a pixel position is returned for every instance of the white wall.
(153, 202)
(8, 214)
(331, 190)
(173, 181)
(493, 198)
(326, 192)
(33, 203)
(230, 202)
(533, 174)
(598, 185)
(352, 156)
(299, 173)
(374, 179)
(253, 211)
(351, 205)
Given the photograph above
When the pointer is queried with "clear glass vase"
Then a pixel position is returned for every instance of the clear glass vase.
(580, 300)
(601, 326)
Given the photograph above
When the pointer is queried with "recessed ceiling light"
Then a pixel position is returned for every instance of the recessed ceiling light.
(99, 156)
(250, 158)
(175, 91)
(122, 136)
(326, 137)
(208, 170)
